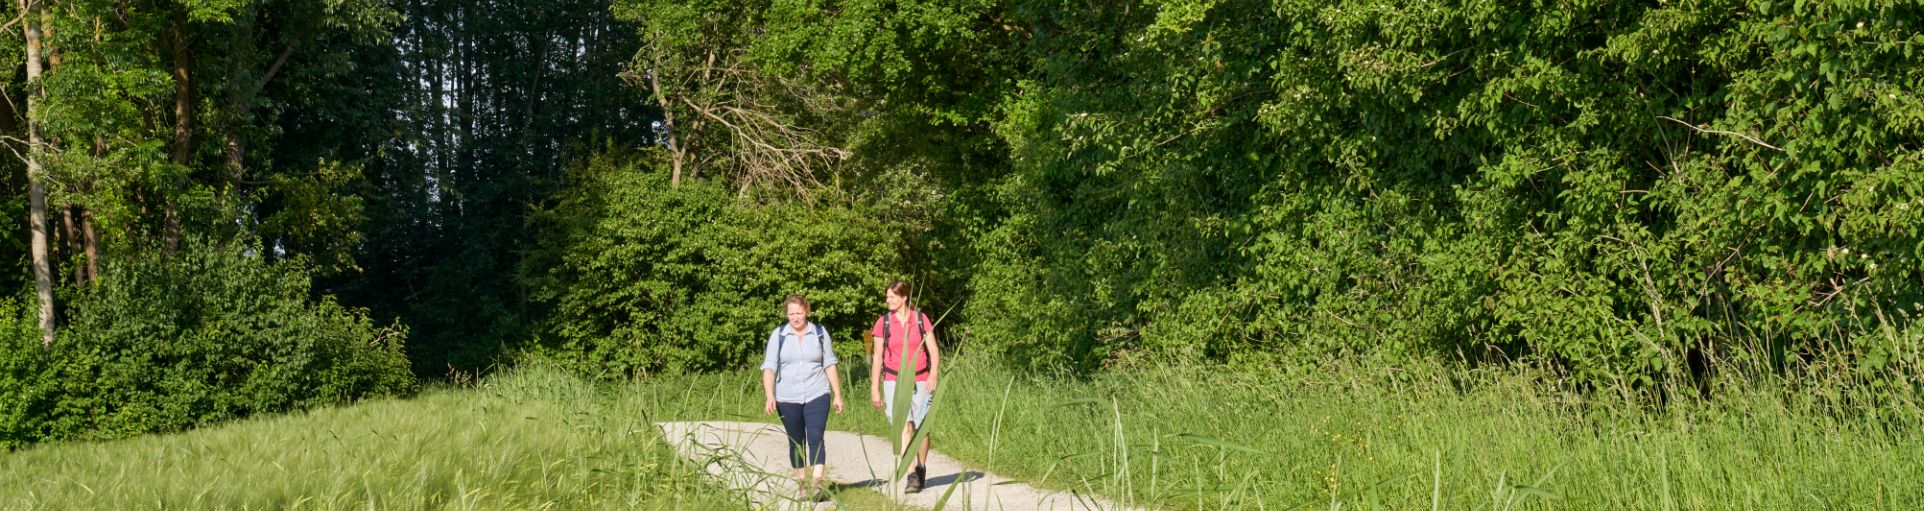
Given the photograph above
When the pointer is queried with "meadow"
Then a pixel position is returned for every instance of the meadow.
(1164, 437)
(524, 440)
(1431, 438)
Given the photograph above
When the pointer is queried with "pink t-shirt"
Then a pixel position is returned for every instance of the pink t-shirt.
(900, 333)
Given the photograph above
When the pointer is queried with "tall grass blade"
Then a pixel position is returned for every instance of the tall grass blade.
(1436, 482)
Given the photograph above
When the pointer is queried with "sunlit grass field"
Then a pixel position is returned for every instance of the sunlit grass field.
(1430, 439)
(1174, 438)
(528, 440)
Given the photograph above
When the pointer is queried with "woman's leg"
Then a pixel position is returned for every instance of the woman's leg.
(793, 422)
(918, 412)
(816, 430)
(921, 406)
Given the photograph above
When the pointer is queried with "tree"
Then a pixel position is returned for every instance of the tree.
(30, 23)
(486, 108)
(721, 109)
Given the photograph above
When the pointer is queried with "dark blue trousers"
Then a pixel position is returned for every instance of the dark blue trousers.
(805, 423)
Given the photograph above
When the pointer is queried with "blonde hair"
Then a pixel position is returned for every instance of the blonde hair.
(795, 299)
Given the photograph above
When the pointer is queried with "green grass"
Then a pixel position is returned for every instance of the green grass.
(1406, 438)
(1177, 438)
(1189, 438)
(528, 440)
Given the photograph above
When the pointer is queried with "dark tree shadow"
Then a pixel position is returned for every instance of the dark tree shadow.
(964, 476)
(838, 487)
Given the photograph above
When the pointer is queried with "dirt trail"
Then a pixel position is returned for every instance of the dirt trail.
(753, 457)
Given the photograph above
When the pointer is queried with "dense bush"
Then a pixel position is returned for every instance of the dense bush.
(1625, 191)
(24, 373)
(1617, 189)
(643, 276)
(166, 342)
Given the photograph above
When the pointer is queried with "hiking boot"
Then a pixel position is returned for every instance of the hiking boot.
(822, 492)
(917, 479)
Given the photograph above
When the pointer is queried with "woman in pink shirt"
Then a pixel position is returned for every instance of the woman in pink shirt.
(904, 331)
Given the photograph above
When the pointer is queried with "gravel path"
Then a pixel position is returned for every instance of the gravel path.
(753, 457)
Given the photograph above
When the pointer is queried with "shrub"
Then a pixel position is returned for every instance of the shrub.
(643, 276)
(1624, 192)
(209, 333)
(24, 372)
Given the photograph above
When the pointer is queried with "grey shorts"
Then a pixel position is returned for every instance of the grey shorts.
(918, 404)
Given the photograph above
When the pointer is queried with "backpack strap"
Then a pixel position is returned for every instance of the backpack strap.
(780, 341)
(919, 316)
(821, 343)
(885, 344)
(886, 334)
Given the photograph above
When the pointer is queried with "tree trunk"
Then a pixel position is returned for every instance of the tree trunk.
(234, 157)
(183, 144)
(70, 242)
(237, 147)
(77, 242)
(464, 100)
(667, 121)
(37, 187)
(91, 245)
(240, 99)
(48, 52)
(89, 242)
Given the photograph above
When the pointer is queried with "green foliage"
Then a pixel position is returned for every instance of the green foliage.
(317, 215)
(467, 118)
(1615, 189)
(642, 277)
(15, 272)
(25, 373)
(118, 147)
(106, 152)
(1628, 192)
(908, 89)
(208, 334)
